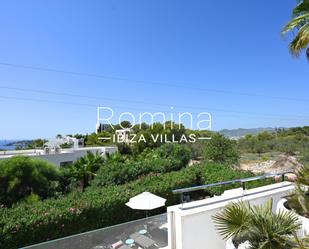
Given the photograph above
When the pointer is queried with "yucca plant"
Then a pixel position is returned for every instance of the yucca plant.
(300, 24)
(258, 226)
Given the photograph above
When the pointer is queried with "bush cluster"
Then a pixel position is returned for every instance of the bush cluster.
(80, 212)
(288, 141)
(100, 206)
(27, 179)
(120, 169)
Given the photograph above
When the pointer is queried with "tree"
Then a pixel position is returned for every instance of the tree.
(300, 23)
(94, 139)
(22, 177)
(84, 169)
(221, 150)
(258, 225)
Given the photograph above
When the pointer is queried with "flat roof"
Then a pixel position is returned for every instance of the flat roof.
(38, 152)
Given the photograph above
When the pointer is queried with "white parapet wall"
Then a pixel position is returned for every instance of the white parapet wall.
(190, 225)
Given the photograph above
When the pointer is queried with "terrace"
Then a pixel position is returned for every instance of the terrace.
(146, 233)
(188, 225)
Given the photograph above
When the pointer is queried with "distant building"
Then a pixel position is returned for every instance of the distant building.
(53, 152)
(66, 140)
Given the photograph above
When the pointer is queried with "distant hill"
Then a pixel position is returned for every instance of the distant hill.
(241, 132)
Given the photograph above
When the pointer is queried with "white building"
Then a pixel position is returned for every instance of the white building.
(57, 156)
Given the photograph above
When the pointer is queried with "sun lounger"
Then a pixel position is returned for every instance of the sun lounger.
(142, 240)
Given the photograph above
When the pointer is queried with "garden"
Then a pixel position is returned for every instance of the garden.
(40, 202)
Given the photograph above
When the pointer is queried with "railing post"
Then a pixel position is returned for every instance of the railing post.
(243, 184)
(282, 177)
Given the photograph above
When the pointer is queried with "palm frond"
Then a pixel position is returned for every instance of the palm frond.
(233, 220)
(296, 23)
(301, 40)
(301, 8)
(258, 225)
(303, 175)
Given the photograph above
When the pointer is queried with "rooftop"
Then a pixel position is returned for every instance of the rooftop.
(39, 152)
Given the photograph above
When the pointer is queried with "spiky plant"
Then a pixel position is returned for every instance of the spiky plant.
(299, 200)
(302, 243)
(303, 175)
(300, 24)
(258, 225)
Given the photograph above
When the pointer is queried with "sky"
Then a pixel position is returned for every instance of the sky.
(59, 60)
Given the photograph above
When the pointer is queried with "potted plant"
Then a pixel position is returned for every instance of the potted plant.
(245, 226)
(298, 201)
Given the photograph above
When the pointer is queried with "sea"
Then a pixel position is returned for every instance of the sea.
(4, 146)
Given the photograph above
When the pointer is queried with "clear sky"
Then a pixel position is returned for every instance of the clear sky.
(225, 57)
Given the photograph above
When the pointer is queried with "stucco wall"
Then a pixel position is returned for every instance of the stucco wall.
(191, 225)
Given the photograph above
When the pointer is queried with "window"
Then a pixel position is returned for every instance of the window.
(66, 164)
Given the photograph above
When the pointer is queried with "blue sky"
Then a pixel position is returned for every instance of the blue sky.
(223, 57)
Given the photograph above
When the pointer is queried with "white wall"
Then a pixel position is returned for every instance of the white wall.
(75, 154)
(66, 155)
(191, 225)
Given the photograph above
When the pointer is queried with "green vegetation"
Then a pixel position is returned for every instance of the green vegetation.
(38, 143)
(300, 24)
(170, 130)
(100, 206)
(258, 226)
(60, 208)
(299, 201)
(120, 169)
(84, 169)
(27, 179)
(304, 157)
(288, 141)
(221, 150)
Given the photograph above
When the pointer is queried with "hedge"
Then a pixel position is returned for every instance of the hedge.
(98, 207)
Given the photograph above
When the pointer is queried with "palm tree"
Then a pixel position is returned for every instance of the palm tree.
(84, 169)
(258, 226)
(300, 23)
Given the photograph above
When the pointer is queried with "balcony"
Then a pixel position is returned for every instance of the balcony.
(188, 225)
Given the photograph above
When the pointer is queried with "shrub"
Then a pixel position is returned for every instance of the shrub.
(221, 150)
(213, 173)
(122, 169)
(21, 177)
(99, 207)
(304, 157)
(82, 211)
